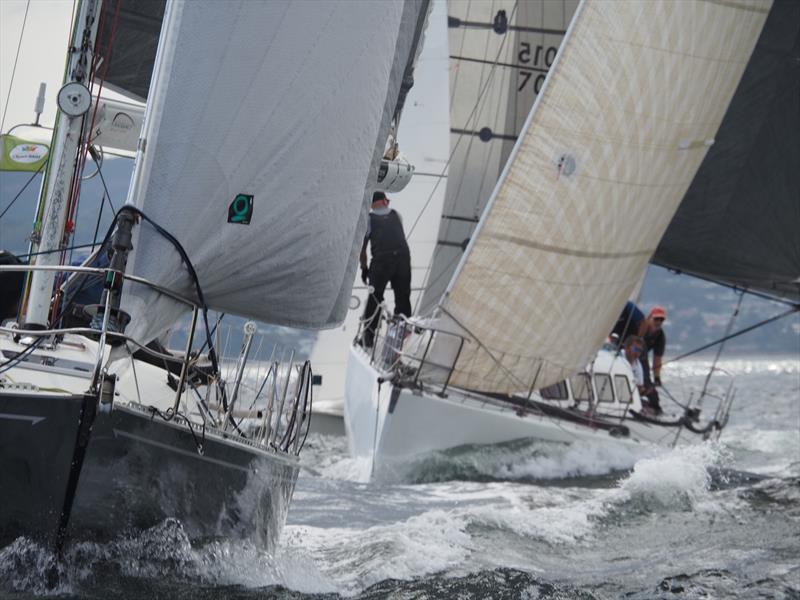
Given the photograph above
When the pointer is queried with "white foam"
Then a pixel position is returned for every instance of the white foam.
(555, 461)
(358, 470)
(675, 478)
(428, 543)
(564, 524)
(239, 563)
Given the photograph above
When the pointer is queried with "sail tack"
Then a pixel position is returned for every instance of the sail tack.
(628, 112)
(265, 124)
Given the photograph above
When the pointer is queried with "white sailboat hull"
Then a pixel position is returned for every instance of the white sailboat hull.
(388, 424)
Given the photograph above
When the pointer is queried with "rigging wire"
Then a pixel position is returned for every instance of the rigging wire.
(24, 187)
(15, 360)
(14, 69)
(719, 350)
(793, 310)
(41, 252)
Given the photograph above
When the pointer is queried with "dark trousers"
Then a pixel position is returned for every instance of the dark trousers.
(394, 268)
(652, 393)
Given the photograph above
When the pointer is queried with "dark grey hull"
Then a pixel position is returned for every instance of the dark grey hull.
(137, 471)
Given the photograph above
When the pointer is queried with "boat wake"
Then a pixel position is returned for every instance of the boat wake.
(677, 480)
(161, 556)
(527, 460)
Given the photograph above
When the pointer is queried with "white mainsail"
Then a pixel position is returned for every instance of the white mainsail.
(500, 53)
(625, 118)
(295, 124)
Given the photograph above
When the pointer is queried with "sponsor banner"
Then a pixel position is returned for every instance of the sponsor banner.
(22, 155)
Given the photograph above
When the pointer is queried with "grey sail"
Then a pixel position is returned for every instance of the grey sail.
(738, 222)
(500, 53)
(254, 117)
(265, 124)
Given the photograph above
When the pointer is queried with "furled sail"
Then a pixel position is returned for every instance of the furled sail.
(739, 220)
(266, 122)
(627, 114)
(499, 56)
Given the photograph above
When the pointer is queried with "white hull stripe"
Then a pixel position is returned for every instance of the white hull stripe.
(144, 440)
(33, 419)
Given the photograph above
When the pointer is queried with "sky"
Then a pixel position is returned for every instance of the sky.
(699, 311)
(41, 59)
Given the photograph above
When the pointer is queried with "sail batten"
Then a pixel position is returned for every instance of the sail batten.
(629, 110)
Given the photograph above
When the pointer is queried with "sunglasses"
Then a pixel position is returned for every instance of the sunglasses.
(659, 319)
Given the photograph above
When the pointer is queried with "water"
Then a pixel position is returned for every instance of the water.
(517, 520)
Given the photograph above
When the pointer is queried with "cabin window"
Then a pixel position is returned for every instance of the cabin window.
(623, 388)
(581, 387)
(605, 391)
(557, 391)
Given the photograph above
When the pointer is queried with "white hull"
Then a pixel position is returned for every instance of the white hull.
(389, 424)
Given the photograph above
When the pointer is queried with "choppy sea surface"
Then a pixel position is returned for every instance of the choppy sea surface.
(517, 520)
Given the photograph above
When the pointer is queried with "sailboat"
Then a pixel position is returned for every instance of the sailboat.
(423, 135)
(264, 127)
(508, 341)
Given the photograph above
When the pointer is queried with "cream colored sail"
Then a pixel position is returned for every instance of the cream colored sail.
(500, 53)
(626, 116)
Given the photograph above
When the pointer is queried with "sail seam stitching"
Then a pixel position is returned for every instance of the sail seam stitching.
(567, 251)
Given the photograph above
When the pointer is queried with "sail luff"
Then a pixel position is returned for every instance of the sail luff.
(499, 55)
(508, 164)
(626, 116)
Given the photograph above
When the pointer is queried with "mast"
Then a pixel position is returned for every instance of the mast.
(74, 100)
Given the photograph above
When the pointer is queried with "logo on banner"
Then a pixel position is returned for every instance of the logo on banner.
(28, 153)
(22, 155)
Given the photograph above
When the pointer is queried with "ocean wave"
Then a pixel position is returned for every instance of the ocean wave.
(161, 554)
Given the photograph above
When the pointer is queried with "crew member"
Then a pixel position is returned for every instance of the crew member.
(656, 341)
(391, 263)
(630, 322)
(634, 347)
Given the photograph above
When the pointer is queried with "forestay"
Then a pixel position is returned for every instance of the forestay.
(628, 112)
(499, 56)
(265, 124)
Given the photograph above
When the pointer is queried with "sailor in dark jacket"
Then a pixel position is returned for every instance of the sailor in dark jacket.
(391, 262)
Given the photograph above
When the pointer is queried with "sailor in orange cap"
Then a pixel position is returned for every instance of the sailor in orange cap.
(655, 340)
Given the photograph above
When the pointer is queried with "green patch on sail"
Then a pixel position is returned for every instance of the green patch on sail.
(241, 209)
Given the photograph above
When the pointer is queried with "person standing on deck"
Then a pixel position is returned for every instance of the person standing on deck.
(655, 340)
(391, 263)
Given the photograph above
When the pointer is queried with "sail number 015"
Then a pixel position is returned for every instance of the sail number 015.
(538, 56)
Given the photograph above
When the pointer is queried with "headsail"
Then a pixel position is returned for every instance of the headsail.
(738, 222)
(266, 122)
(499, 56)
(128, 38)
(626, 116)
